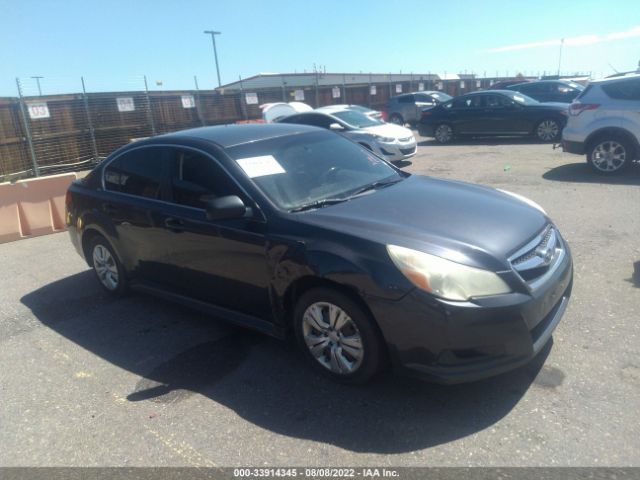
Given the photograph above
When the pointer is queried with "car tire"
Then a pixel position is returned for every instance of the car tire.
(397, 119)
(548, 130)
(443, 133)
(337, 336)
(107, 267)
(609, 155)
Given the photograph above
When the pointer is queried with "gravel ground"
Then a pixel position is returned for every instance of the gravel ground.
(90, 381)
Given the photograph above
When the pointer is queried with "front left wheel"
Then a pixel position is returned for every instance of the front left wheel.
(337, 336)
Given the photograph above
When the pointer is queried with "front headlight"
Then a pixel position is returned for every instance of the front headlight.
(444, 278)
(384, 139)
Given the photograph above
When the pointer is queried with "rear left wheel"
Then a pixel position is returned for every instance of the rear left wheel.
(337, 336)
(107, 267)
(443, 133)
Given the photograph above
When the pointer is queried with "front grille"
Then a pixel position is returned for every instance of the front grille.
(408, 151)
(539, 256)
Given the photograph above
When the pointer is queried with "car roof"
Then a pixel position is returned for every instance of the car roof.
(479, 92)
(623, 77)
(428, 92)
(331, 108)
(232, 135)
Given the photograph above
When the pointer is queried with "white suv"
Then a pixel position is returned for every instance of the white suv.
(604, 123)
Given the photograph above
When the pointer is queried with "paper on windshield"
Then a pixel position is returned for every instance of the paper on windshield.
(260, 166)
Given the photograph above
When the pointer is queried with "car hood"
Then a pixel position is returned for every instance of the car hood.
(469, 224)
(389, 130)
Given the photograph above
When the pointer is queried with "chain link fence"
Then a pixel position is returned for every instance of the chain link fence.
(46, 134)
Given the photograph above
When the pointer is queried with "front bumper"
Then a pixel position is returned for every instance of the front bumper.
(398, 151)
(455, 342)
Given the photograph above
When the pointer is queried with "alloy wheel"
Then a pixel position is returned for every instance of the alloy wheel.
(548, 130)
(443, 133)
(332, 338)
(609, 156)
(105, 267)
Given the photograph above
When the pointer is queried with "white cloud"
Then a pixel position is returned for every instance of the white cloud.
(572, 41)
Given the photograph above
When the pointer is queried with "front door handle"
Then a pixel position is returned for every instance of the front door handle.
(174, 224)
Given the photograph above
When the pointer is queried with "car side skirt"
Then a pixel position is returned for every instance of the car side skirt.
(225, 314)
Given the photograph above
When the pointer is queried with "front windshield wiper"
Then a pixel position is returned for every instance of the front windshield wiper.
(375, 186)
(318, 204)
(332, 201)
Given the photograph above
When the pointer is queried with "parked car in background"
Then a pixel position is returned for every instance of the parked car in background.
(407, 108)
(271, 112)
(391, 142)
(549, 90)
(493, 112)
(604, 124)
(507, 83)
(293, 230)
(375, 114)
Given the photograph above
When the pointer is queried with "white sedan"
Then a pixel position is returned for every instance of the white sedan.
(392, 142)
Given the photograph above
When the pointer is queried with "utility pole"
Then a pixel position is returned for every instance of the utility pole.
(560, 56)
(38, 82)
(215, 52)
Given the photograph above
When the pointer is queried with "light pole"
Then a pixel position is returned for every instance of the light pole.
(38, 82)
(215, 52)
(560, 56)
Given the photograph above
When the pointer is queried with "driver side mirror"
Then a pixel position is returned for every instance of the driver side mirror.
(223, 208)
(336, 126)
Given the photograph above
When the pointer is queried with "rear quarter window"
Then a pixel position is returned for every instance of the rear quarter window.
(139, 172)
(623, 90)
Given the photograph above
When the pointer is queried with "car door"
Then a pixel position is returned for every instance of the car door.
(221, 262)
(504, 116)
(407, 107)
(135, 184)
(422, 100)
(469, 115)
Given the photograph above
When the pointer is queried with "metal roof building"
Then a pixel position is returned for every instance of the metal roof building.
(323, 79)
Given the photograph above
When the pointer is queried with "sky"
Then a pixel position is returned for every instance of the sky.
(112, 44)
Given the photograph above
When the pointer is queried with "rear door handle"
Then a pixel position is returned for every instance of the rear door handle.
(174, 224)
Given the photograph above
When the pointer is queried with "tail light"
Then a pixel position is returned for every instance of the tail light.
(384, 116)
(68, 199)
(576, 108)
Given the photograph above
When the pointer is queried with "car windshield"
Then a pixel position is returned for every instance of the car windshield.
(356, 119)
(299, 170)
(521, 98)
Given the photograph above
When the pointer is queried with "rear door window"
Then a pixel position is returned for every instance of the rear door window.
(139, 172)
(406, 99)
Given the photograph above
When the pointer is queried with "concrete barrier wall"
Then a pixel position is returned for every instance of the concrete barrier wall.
(33, 207)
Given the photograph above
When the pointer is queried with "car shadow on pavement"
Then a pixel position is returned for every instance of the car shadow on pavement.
(582, 173)
(177, 352)
(484, 141)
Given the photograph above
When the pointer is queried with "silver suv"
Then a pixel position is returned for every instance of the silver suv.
(407, 108)
(604, 124)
